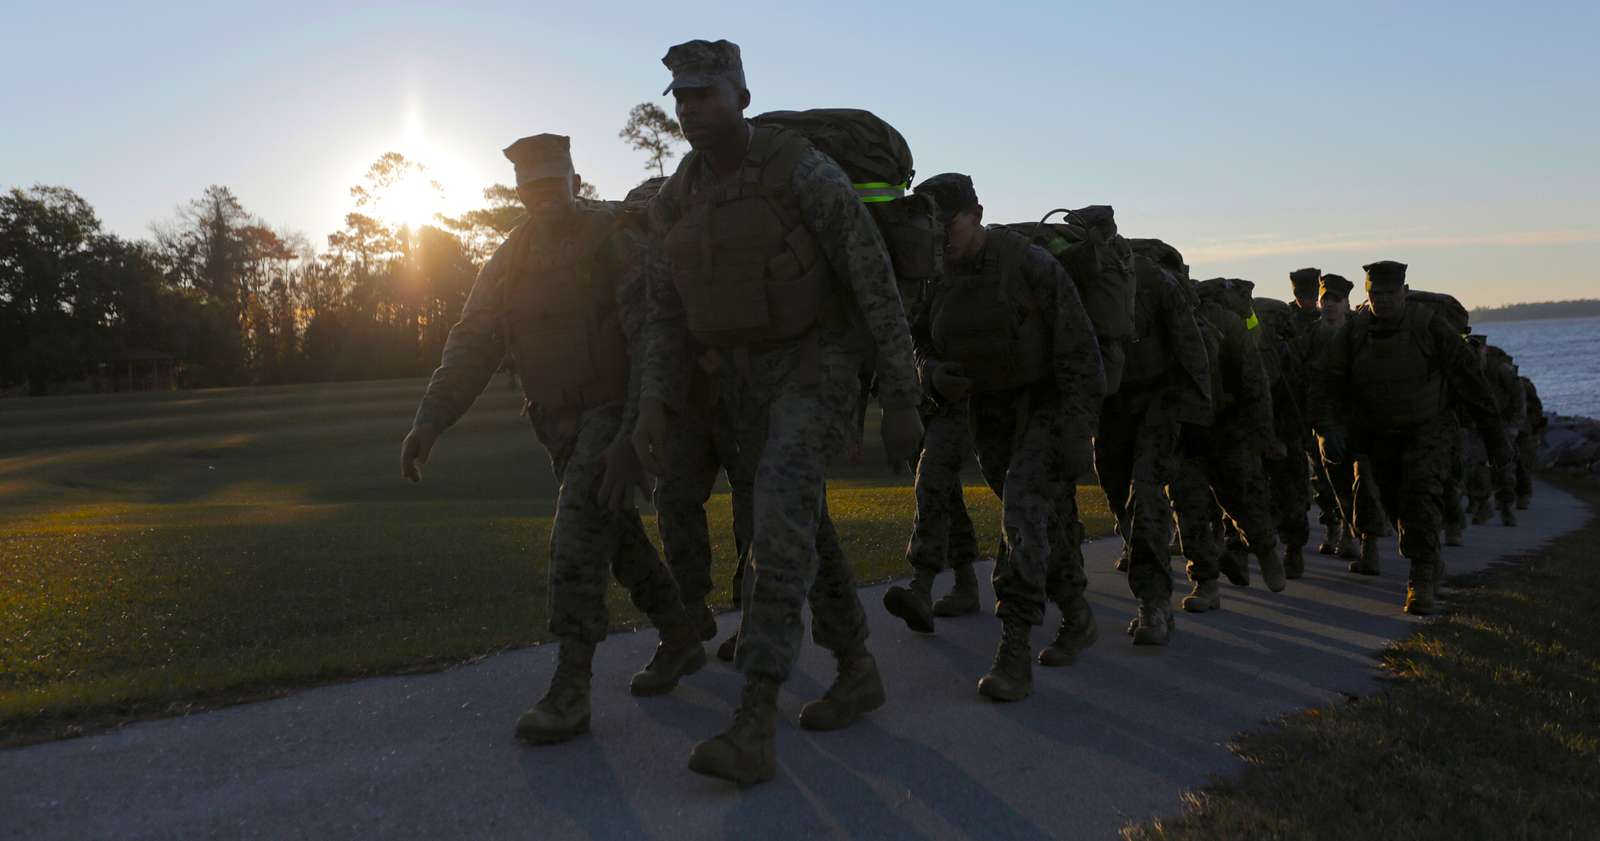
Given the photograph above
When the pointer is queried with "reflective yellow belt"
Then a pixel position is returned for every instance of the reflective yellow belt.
(880, 191)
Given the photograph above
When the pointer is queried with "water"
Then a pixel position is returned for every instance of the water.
(1560, 355)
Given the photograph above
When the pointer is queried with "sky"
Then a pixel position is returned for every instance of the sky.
(1462, 138)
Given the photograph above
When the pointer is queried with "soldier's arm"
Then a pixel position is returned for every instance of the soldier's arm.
(474, 348)
(850, 241)
(1255, 392)
(1325, 386)
(668, 355)
(1192, 390)
(922, 351)
(1080, 374)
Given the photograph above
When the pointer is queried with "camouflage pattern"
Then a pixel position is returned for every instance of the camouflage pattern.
(1529, 437)
(1340, 478)
(1455, 480)
(942, 535)
(792, 404)
(589, 542)
(1505, 384)
(1024, 437)
(1404, 471)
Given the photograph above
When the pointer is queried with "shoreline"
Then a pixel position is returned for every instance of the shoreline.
(1571, 444)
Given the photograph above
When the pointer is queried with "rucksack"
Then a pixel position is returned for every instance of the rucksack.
(1100, 262)
(878, 161)
(1443, 306)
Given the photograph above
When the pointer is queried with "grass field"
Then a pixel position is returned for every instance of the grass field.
(164, 552)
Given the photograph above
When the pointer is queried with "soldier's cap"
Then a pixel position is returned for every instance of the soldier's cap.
(541, 156)
(953, 192)
(1385, 273)
(701, 64)
(1304, 281)
(1336, 285)
(1248, 286)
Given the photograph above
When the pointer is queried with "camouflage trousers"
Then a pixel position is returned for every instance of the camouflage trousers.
(1342, 477)
(701, 443)
(793, 409)
(1455, 479)
(1322, 492)
(942, 535)
(1408, 468)
(1019, 441)
(1135, 455)
(1527, 456)
(590, 543)
(1290, 489)
(1229, 476)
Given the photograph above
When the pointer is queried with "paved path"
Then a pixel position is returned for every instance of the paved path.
(1116, 737)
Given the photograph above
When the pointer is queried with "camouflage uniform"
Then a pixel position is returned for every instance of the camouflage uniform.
(1529, 437)
(793, 404)
(1166, 382)
(1380, 391)
(1230, 473)
(1341, 477)
(1288, 477)
(942, 535)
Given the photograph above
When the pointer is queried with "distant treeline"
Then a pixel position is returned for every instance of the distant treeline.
(1547, 309)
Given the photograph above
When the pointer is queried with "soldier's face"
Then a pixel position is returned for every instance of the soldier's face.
(1387, 301)
(963, 234)
(710, 114)
(1334, 308)
(548, 199)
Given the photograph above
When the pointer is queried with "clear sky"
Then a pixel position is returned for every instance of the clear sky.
(1462, 138)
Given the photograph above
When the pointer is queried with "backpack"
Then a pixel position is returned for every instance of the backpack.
(878, 161)
(1100, 262)
(1443, 306)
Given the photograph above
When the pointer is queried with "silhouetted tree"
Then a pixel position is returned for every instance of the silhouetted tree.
(651, 131)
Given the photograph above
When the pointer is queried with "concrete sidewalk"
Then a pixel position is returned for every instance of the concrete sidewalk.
(1116, 737)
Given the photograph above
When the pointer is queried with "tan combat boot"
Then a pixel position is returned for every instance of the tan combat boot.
(1076, 632)
(563, 712)
(1367, 564)
(747, 752)
(1331, 534)
(1294, 563)
(1234, 568)
(1420, 596)
(857, 690)
(1481, 512)
(706, 619)
(1153, 624)
(1273, 568)
(1010, 678)
(1204, 597)
(914, 604)
(1348, 544)
(1508, 515)
(679, 654)
(962, 600)
(1452, 534)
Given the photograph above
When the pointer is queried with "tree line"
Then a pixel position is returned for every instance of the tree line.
(235, 300)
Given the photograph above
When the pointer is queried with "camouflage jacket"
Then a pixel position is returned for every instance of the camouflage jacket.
(1245, 404)
(849, 241)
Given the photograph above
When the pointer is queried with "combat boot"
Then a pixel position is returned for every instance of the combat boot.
(1367, 564)
(1347, 544)
(726, 650)
(1523, 500)
(679, 654)
(1125, 558)
(1011, 676)
(857, 690)
(1234, 568)
(962, 599)
(1508, 515)
(747, 752)
(563, 712)
(1452, 534)
(705, 620)
(1077, 632)
(1481, 512)
(1294, 562)
(914, 604)
(1153, 622)
(1331, 534)
(1205, 596)
(1420, 598)
(1273, 570)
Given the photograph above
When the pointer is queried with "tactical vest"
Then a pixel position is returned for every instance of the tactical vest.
(560, 318)
(747, 269)
(1393, 378)
(1149, 353)
(984, 319)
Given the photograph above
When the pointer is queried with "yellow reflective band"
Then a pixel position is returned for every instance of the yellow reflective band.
(880, 191)
(1252, 322)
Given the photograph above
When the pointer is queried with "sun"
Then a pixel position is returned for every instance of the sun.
(413, 201)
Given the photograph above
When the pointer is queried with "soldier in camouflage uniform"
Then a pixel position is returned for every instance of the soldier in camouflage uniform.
(1307, 316)
(1282, 353)
(1161, 409)
(1529, 438)
(1382, 390)
(565, 294)
(1506, 386)
(1005, 331)
(1334, 303)
(942, 535)
(775, 263)
(1229, 474)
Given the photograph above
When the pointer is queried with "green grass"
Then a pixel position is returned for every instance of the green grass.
(166, 552)
(1489, 726)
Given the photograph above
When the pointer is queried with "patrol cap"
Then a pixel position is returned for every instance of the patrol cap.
(1385, 273)
(952, 190)
(541, 156)
(701, 64)
(1336, 285)
(1304, 281)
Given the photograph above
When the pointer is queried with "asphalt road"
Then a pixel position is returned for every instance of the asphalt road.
(1116, 737)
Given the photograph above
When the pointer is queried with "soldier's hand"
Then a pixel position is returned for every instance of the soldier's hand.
(620, 474)
(902, 433)
(949, 382)
(650, 436)
(415, 449)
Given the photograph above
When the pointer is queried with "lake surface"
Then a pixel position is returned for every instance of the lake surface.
(1560, 355)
